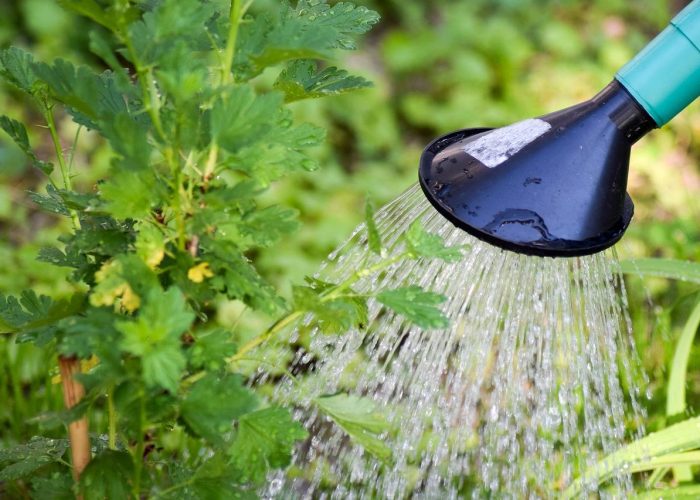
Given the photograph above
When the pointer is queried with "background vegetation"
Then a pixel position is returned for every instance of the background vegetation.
(436, 66)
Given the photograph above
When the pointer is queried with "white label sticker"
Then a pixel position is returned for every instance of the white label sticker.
(497, 146)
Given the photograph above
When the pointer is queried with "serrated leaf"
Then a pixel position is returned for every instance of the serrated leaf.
(421, 243)
(18, 134)
(108, 475)
(310, 30)
(360, 419)
(92, 10)
(332, 316)
(56, 257)
(374, 241)
(416, 305)
(51, 202)
(264, 440)
(35, 317)
(90, 333)
(91, 98)
(237, 278)
(241, 118)
(150, 244)
(112, 285)
(57, 486)
(211, 348)
(217, 475)
(131, 194)
(16, 67)
(212, 404)
(266, 226)
(301, 80)
(154, 336)
(22, 460)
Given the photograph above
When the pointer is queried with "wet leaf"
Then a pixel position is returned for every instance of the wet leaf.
(212, 404)
(264, 439)
(302, 80)
(108, 475)
(416, 305)
(373, 239)
(421, 243)
(22, 460)
(360, 419)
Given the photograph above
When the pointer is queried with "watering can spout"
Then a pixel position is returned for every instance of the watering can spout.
(550, 186)
(556, 185)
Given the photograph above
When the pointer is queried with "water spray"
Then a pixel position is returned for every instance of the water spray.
(522, 393)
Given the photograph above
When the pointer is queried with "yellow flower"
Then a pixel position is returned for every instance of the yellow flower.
(200, 272)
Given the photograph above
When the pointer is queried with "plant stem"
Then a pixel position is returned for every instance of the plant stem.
(226, 79)
(73, 393)
(140, 446)
(230, 51)
(331, 294)
(65, 169)
(277, 327)
(112, 419)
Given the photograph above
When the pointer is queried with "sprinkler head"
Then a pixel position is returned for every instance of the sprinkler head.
(549, 186)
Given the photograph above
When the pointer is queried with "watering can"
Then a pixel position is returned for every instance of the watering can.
(556, 185)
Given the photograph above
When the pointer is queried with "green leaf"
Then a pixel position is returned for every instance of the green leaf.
(217, 475)
(691, 492)
(150, 244)
(677, 438)
(360, 419)
(333, 316)
(241, 118)
(57, 486)
(130, 194)
(51, 202)
(676, 402)
(155, 337)
(374, 241)
(92, 99)
(35, 317)
(22, 460)
(164, 317)
(90, 333)
(92, 10)
(123, 280)
(266, 226)
(16, 67)
(18, 133)
(311, 30)
(237, 278)
(416, 305)
(212, 404)
(108, 475)
(264, 440)
(663, 268)
(421, 243)
(301, 80)
(211, 348)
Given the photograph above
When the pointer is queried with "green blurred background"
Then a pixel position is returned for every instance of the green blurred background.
(437, 66)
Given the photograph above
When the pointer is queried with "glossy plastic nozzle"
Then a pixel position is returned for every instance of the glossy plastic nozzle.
(550, 186)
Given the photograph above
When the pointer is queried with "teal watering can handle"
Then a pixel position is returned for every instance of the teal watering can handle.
(665, 76)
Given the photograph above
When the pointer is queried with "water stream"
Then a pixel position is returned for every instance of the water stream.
(518, 396)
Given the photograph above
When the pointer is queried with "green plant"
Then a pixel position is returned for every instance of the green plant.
(168, 234)
(676, 447)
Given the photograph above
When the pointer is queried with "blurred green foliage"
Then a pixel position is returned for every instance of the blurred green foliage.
(436, 66)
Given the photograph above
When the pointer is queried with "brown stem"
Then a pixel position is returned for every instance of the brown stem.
(73, 392)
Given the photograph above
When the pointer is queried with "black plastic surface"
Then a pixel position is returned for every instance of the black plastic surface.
(563, 194)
